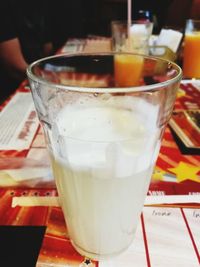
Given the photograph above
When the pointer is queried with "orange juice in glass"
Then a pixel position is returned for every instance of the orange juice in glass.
(128, 69)
(191, 55)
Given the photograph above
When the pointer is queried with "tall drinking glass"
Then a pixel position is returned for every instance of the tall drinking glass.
(191, 52)
(103, 139)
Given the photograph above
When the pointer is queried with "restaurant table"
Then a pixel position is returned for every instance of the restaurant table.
(32, 225)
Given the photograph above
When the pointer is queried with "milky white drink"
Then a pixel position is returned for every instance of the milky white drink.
(104, 153)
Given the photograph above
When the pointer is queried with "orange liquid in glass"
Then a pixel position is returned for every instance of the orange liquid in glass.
(128, 70)
(191, 56)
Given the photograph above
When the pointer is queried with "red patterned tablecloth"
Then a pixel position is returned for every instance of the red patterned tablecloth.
(175, 173)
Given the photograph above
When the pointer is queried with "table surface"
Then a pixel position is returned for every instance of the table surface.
(167, 235)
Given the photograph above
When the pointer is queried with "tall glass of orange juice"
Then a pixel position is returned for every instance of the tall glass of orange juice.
(191, 55)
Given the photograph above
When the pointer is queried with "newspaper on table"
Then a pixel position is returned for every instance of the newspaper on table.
(18, 123)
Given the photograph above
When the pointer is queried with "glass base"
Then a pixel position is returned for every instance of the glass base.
(98, 257)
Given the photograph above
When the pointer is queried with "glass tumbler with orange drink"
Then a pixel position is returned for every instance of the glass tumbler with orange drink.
(130, 38)
(191, 54)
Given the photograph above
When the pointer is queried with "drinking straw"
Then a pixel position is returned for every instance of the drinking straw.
(129, 17)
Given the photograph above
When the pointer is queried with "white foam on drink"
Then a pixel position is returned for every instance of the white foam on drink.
(120, 116)
(120, 130)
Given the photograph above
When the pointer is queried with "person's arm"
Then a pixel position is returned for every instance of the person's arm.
(12, 58)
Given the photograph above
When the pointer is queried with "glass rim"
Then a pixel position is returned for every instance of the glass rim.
(129, 89)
